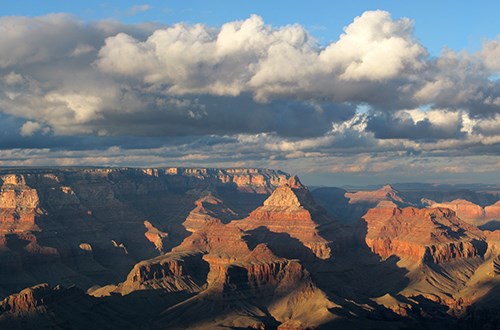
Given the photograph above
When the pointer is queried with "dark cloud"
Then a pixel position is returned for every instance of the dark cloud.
(223, 115)
(389, 126)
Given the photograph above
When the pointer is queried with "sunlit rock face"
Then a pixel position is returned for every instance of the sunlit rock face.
(19, 204)
(291, 210)
(470, 212)
(434, 234)
(90, 226)
(208, 209)
(385, 194)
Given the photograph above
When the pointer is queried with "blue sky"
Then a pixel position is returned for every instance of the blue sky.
(338, 92)
(455, 24)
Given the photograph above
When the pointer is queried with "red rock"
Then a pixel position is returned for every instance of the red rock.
(19, 205)
(291, 210)
(27, 302)
(155, 236)
(173, 272)
(216, 238)
(492, 212)
(386, 193)
(435, 234)
(208, 209)
(245, 179)
(470, 212)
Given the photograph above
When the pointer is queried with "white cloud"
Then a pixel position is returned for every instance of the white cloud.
(84, 107)
(13, 79)
(251, 56)
(374, 47)
(491, 55)
(31, 127)
(261, 94)
(82, 49)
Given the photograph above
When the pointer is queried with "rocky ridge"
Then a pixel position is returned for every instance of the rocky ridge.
(290, 210)
(472, 213)
(422, 235)
(227, 268)
(90, 226)
(206, 257)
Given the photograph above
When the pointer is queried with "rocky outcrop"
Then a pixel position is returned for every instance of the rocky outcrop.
(470, 212)
(208, 209)
(245, 179)
(386, 193)
(172, 273)
(47, 214)
(349, 207)
(28, 301)
(493, 239)
(19, 204)
(45, 307)
(256, 274)
(492, 212)
(217, 264)
(187, 267)
(156, 236)
(241, 282)
(291, 210)
(422, 235)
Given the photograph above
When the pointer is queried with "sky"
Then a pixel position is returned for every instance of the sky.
(358, 92)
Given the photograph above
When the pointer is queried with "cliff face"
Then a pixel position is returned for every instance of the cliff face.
(217, 262)
(386, 193)
(208, 209)
(260, 273)
(349, 207)
(422, 235)
(45, 307)
(177, 272)
(19, 204)
(290, 210)
(120, 215)
(157, 237)
(245, 179)
(26, 302)
(209, 248)
(470, 212)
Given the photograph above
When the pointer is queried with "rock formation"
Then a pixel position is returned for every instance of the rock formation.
(47, 214)
(470, 212)
(208, 209)
(155, 236)
(235, 248)
(290, 210)
(215, 262)
(384, 194)
(422, 235)
(19, 205)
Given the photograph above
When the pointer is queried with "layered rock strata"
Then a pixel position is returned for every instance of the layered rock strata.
(422, 235)
(291, 211)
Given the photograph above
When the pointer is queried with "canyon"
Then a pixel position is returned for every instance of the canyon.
(201, 248)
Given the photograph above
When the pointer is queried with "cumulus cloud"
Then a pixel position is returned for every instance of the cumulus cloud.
(490, 55)
(30, 128)
(80, 78)
(244, 92)
(250, 56)
(374, 47)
